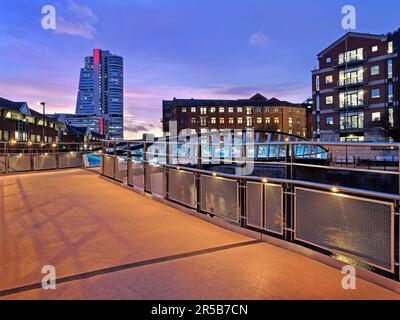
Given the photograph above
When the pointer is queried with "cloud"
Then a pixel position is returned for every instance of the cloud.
(258, 39)
(76, 20)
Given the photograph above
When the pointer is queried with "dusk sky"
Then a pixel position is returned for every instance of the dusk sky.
(175, 48)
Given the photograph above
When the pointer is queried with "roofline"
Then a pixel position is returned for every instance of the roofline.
(356, 34)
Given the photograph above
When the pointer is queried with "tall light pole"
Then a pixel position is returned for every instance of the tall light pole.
(43, 105)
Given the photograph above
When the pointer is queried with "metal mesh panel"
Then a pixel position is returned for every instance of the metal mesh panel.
(273, 208)
(359, 227)
(19, 163)
(254, 204)
(155, 179)
(121, 169)
(2, 164)
(136, 178)
(44, 162)
(108, 166)
(69, 160)
(182, 187)
(219, 197)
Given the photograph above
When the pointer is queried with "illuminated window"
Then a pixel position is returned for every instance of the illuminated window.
(329, 79)
(390, 47)
(221, 110)
(183, 109)
(193, 109)
(222, 120)
(374, 49)
(259, 120)
(376, 116)
(374, 70)
(329, 99)
(290, 120)
(240, 109)
(239, 120)
(329, 121)
(213, 120)
(231, 120)
(230, 110)
(212, 110)
(276, 120)
(267, 120)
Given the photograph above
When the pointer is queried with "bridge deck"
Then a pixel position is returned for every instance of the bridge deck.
(107, 242)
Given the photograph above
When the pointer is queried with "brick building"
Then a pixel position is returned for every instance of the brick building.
(19, 123)
(259, 113)
(355, 86)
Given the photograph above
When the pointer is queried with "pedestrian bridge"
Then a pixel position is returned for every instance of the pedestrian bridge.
(107, 242)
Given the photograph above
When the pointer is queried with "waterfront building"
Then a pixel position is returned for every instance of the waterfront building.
(19, 123)
(258, 113)
(355, 88)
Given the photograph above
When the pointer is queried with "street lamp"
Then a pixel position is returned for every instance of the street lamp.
(43, 105)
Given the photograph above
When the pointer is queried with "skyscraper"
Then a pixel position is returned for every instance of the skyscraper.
(100, 103)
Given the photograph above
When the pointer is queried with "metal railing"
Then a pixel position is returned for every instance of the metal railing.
(352, 224)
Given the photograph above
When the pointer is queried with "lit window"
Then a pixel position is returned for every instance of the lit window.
(266, 109)
(290, 120)
(193, 109)
(193, 120)
(239, 120)
(231, 120)
(375, 93)
(258, 109)
(276, 120)
(221, 120)
(183, 109)
(230, 110)
(290, 131)
(276, 110)
(374, 49)
(329, 121)
(329, 100)
(328, 60)
(267, 120)
(221, 110)
(259, 120)
(329, 79)
(390, 47)
(376, 116)
(213, 120)
(374, 70)
(212, 110)
(317, 83)
(240, 109)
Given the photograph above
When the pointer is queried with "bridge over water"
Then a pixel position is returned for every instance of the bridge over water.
(165, 239)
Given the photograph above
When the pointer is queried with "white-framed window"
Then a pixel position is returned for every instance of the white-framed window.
(290, 120)
(213, 120)
(390, 47)
(259, 120)
(329, 100)
(329, 79)
(267, 120)
(221, 120)
(231, 120)
(329, 121)
(193, 120)
(376, 116)
(375, 93)
(374, 48)
(230, 110)
(240, 109)
(328, 60)
(213, 109)
(193, 109)
(183, 109)
(203, 110)
(222, 110)
(374, 70)
(240, 120)
(276, 120)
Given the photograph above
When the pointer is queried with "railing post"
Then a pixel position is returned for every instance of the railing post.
(144, 163)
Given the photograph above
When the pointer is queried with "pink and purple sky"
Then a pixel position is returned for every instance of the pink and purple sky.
(174, 48)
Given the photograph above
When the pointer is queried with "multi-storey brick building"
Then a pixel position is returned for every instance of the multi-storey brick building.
(355, 86)
(257, 112)
(19, 123)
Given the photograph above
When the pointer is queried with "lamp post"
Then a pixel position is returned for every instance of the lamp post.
(43, 105)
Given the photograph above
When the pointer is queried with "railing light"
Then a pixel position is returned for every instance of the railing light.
(265, 180)
(13, 142)
(46, 154)
(20, 154)
(214, 174)
(178, 168)
(335, 190)
(54, 145)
